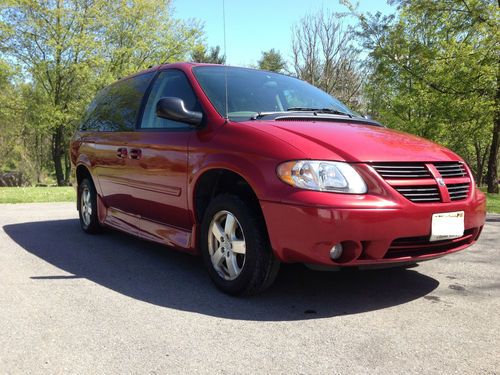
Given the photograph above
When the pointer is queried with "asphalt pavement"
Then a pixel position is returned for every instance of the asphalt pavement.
(72, 303)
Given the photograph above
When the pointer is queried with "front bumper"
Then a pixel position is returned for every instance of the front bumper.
(374, 230)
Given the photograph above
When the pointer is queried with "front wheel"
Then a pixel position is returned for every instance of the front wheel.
(235, 247)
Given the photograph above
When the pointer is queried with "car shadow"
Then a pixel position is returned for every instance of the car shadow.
(160, 276)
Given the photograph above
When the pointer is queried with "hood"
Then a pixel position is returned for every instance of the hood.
(353, 142)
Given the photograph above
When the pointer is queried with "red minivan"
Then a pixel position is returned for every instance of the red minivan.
(252, 168)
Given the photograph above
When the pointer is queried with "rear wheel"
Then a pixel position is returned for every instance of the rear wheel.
(87, 198)
(235, 247)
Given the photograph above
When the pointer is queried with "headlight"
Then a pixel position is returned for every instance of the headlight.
(320, 175)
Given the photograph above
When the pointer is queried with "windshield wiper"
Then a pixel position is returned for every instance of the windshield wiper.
(259, 115)
(329, 111)
(320, 110)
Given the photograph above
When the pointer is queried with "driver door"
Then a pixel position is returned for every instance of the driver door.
(157, 163)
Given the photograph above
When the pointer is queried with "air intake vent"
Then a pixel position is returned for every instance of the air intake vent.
(391, 171)
(300, 119)
(458, 191)
(420, 194)
(451, 169)
(418, 246)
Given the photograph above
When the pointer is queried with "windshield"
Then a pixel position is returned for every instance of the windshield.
(252, 92)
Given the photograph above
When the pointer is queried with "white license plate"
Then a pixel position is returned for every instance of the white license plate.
(447, 225)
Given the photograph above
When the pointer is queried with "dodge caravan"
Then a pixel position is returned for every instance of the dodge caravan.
(252, 168)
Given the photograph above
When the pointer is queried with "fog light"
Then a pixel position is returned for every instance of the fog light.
(336, 251)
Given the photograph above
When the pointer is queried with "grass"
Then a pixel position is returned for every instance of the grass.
(37, 194)
(68, 194)
(493, 203)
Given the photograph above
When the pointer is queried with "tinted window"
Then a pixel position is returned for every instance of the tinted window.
(115, 108)
(90, 121)
(173, 83)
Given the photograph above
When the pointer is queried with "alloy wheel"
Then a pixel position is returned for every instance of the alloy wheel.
(226, 245)
(86, 206)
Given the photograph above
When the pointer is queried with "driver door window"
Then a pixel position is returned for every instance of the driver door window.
(170, 83)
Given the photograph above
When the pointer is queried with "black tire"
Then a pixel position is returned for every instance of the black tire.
(260, 267)
(90, 224)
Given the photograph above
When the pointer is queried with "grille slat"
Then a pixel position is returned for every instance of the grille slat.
(406, 173)
(454, 170)
(449, 166)
(420, 194)
(402, 176)
(410, 190)
(445, 167)
(458, 191)
(423, 200)
(451, 169)
(416, 192)
(402, 170)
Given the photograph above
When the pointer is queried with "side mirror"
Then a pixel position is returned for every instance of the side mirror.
(174, 109)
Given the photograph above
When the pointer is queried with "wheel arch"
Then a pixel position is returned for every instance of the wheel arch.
(220, 180)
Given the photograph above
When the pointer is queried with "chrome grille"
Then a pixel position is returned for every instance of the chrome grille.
(402, 170)
(417, 183)
(420, 194)
(458, 191)
(451, 169)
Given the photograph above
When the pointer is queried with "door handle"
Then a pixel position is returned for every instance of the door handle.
(121, 152)
(135, 153)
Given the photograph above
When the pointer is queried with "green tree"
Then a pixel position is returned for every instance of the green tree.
(67, 50)
(273, 61)
(201, 54)
(10, 110)
(23, 147)
(434, 72)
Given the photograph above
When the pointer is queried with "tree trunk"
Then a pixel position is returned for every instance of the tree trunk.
(57, 153)
(479, 163)
(67, 168)
(484, 159)
(493, 160)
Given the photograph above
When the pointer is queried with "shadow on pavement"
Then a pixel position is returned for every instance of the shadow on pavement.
(157, 275)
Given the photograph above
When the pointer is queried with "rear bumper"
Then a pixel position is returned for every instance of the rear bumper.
(396, 232)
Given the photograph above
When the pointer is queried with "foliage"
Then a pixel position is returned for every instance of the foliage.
(432, 69)
(273, 61)
(8, 110)
(37, 194)
(201, 54)
(434, 73)
(66, 50)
